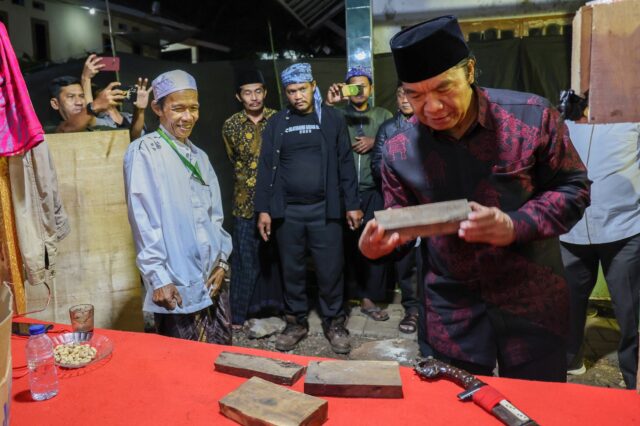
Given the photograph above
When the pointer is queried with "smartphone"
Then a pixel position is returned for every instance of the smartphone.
(111, 63)
(132, 92)
(351, 90)
(22, 328)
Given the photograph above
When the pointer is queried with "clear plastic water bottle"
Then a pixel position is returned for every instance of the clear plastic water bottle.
(43, 376)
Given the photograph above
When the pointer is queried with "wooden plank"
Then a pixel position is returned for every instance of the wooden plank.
(273, 370)
(10, 258)
(614, 87)
(424, 220)
(356, 379)
(258, 402)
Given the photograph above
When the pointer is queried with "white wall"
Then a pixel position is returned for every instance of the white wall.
(72, 30)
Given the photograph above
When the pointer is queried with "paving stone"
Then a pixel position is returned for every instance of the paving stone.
(257, 328)
(355, 325)
(395, 311)
(315, 323)
(403, 351)
(609, 335)
(382, 329)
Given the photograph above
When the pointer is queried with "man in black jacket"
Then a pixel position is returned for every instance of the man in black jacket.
(405, 266)
(306, 180)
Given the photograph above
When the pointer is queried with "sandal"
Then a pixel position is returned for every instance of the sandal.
(375, 313)
(409, 323)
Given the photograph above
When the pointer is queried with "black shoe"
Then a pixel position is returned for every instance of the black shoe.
(337, 335)
(291, 335)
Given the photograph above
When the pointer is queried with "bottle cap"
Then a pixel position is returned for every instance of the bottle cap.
(36, 329)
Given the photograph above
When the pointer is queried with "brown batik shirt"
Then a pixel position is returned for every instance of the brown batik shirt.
(242, 140)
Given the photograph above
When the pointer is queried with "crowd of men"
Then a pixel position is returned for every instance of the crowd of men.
(308, 179)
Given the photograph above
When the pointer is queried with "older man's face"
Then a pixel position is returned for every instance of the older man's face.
(443, 102)
(300, 96)
(179, 113)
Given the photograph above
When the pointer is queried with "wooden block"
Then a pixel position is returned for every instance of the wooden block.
(258, 402)
(605, 60)
(424, 220)
(356, 379)
(273, 370)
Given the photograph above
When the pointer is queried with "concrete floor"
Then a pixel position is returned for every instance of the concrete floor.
(601, 341)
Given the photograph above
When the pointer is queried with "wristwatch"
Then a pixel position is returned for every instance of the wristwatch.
(90, 109)
(224, 265)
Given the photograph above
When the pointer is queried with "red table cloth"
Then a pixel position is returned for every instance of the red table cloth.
(155, 380)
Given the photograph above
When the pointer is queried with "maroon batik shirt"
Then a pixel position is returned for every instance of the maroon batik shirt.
(517, 157)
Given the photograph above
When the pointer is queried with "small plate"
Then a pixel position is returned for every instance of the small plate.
(101, 343)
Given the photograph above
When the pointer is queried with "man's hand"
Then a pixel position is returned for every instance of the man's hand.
(264, 226)
(109, 97)
(92, 66)
(363, 144)
(167, 296)
(375, 242)
(354, 219)
(334, 95)
(142, 93)
(487, 225)
(214, 283)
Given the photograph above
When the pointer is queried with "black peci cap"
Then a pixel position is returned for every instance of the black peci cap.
(248, 76)
(428, 49)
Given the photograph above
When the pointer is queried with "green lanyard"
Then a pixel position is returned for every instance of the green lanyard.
(193, 168)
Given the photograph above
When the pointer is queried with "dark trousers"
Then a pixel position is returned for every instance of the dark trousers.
(507, 334)
(305, 227)
(256, 285)
(367, 278)
(407, 273)
(244, 267)
(621, 266)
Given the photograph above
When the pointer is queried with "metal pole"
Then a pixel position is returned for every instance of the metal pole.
(275, 65)
(113, 44)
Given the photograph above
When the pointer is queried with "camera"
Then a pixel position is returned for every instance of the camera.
(572, 106)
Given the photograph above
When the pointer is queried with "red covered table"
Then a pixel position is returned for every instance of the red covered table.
(154, 380)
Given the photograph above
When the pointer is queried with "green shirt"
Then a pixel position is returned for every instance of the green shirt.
(365, 123)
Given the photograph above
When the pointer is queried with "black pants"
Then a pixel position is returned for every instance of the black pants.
(367, 278)
(621, 266)
(507, 334)
(408, 274)
(305, 227)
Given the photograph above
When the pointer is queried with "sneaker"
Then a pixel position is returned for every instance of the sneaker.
(577, 371)
(576, 367)
(337, 335)
(291, 335)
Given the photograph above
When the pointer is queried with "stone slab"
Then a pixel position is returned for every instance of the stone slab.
(356, 379)
(273, 370)
(258, 402)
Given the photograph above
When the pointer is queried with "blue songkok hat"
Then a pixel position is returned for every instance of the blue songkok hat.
(301, 73)
(359, 71)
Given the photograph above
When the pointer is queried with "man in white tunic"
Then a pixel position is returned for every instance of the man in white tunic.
(175, 212)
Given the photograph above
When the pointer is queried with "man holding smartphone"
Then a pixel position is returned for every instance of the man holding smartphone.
(363, 121)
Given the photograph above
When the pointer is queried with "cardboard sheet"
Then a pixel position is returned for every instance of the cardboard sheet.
(96, 261)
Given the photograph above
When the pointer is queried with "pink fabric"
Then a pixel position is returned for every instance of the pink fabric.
(20, 129)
